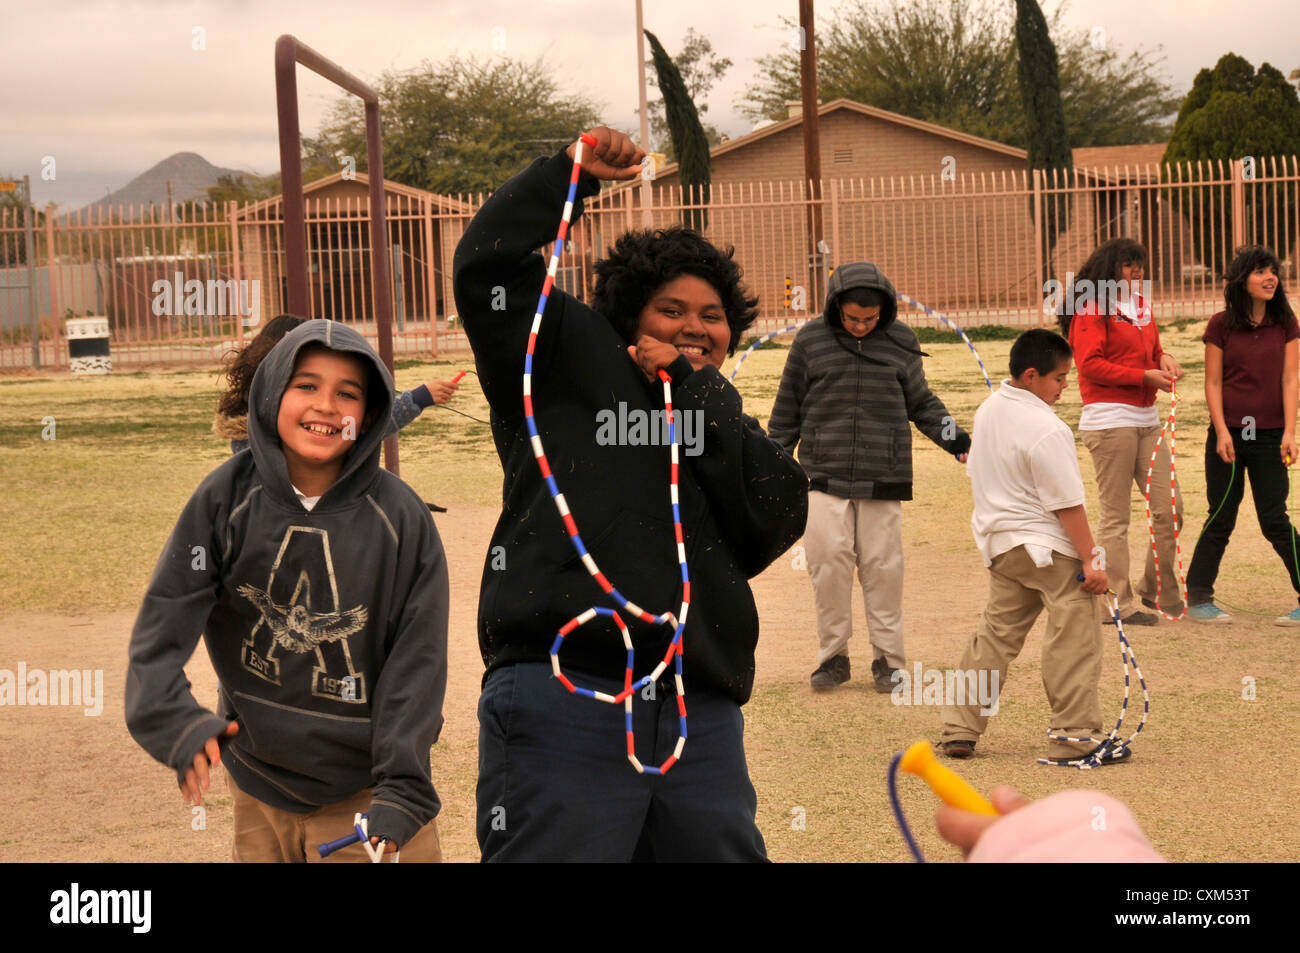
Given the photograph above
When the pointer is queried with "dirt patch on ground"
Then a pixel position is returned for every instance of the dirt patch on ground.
(1203, 783)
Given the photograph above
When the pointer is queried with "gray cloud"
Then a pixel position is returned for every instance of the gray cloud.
(110, 88)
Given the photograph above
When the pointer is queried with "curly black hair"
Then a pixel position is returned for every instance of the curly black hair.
(243, 364)
(1236, 299)
(643, 261)
(1100, 272)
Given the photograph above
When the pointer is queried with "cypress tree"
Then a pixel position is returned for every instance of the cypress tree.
(689, 140)
(1048, 138)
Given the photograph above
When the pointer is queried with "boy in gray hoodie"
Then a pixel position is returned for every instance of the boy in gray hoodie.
(319, 585)
(852, 384)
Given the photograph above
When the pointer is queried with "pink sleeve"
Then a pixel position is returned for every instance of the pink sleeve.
(1071, 827)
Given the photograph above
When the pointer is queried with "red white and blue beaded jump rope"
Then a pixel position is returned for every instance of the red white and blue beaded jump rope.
(678, 621)
(1179, 575)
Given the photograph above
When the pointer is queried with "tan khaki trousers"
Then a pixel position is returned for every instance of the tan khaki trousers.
(1121, 457)
(268, 835)
(867, 534)
(1018, 592)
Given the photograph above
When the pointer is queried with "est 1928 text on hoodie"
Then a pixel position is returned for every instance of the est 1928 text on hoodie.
(327, 629)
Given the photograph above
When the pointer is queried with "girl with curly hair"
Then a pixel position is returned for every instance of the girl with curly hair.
(1121, 367)
(554, 777)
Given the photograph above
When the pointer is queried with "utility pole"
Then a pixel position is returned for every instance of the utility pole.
(812, 155)
(647, 219)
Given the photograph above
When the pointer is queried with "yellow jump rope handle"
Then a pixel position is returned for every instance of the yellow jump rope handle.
(951, 789)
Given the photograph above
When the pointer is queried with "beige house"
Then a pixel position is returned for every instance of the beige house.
(950, 217)
(423, 228)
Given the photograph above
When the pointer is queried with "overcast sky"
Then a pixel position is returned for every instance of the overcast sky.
(110, 88)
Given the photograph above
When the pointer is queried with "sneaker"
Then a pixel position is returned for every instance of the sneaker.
(1291, 618)
(883, 675)
(834, 671)
(958, 749)
(1123, 756)
(1209, 612)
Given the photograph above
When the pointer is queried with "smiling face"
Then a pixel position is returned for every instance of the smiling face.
(322, 413)
(859, 320)
(1262, 283)
(687, 313)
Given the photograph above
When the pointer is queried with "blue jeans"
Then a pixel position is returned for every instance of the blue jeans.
(554, 782)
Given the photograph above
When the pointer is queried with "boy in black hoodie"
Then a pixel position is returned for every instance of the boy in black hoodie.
(554, 781)
(319, 585)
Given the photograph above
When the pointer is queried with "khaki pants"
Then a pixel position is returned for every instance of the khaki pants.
(867, 534)
(268, 835)
(1018, 592)
(1121, 457)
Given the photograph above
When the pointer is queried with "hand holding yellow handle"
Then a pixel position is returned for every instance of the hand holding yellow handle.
(951, 789)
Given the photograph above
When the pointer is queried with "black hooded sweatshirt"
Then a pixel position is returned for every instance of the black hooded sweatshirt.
(327, 629)
(744, 500)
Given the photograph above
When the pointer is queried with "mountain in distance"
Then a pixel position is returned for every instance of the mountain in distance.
(189, 173)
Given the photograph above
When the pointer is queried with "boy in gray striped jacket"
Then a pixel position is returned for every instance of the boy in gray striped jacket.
(852, 385)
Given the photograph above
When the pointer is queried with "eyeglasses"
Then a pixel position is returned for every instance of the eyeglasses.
(861, 321)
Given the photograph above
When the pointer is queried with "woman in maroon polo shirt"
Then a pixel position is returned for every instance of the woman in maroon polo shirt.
(1251, 388)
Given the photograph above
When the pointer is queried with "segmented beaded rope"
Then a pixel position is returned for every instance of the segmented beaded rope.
(763, 340)
(1110, 747)
(952, 324)
(901, 297)
(1173, 509)
(679, 621)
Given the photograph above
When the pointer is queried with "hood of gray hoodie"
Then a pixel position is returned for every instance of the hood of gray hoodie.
(864, 274)
(269, 384)
(860, 274)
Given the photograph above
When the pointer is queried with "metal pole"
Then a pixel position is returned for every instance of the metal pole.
(647, 219)
(381, 279)
(288, 52)
(295, 225)
(29, 240)
(812, 157)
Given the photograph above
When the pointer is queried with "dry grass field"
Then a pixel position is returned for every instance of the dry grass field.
(84, 516)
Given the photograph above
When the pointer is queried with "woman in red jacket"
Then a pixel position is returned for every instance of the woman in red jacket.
(1251, 387)
(1121, 366)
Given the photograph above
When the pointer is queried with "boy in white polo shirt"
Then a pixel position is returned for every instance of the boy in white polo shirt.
(1031, 528)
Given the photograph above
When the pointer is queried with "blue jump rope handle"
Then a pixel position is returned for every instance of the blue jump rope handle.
(332, 846)
(355, 837)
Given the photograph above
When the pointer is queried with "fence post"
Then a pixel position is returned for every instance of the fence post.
(1238, 209)
(236, 267)
(29, 250)
(430, 277)
(1036, 292)
(50, 265)
(835, 219)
